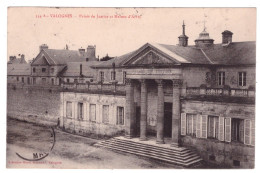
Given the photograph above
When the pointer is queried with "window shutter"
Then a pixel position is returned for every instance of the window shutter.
(228, 129)
(221, 129)
(204, 122)
(198, 131)
(253, 132)
(183, 123)
(247, 131)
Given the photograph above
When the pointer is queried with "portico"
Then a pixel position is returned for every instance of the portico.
(142, 79)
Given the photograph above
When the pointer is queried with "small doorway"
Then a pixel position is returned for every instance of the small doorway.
(167, 119)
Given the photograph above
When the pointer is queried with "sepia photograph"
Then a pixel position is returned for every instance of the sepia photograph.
(130, 88)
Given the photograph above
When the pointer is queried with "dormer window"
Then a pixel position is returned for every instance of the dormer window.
(43, 70)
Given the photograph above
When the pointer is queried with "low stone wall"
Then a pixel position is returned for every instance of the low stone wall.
(221, 153)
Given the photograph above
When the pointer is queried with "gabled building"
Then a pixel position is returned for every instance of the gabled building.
(14, 60)
(47, 67)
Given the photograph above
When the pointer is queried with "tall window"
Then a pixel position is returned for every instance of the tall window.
(22, 79)
(52, 81)
(213, 123)
(17, 78)
(69, 109)
(92, 112)
(43, 70)
(43, 80)
(68, 80)
(221, 78)
(28, 80)
(237, 130)
(34, 81)
(113, 75)
(242, 78)
(124, 76)
(105, 114)
(80, 111)
(120, 115)
(101, 76)
(191, 124)
(34, 70)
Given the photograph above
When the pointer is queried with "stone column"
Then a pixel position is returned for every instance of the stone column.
(129, 109)
(160, 113)
(143, 119)
(176, 127)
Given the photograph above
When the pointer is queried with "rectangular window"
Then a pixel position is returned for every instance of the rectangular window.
(101, 76)
(22, 80)
(124, 77)
(17, 78)
(237, 130)
(221, 78)
(43, 70)
(75, 80)
(68, 80)
(120, 115)
(80, 111)
(213, 127)
(92, 112)
(69, 109)
(105, 114)
(28, 80)
(52, 70)
(43, 80)
(34, 81)
(34, 70)
(241, 78)
(191, 124)
(52, 81)
(113, 75)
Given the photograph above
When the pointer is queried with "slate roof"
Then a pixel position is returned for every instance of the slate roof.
(63, 56)
(73, 69)
(18, 69)
(235, 53)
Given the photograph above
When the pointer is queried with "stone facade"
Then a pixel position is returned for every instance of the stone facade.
(86, 125)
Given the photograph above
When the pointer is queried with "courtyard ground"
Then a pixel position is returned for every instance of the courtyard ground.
(70, 151)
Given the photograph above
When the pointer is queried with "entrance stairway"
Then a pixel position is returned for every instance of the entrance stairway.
(175, 155)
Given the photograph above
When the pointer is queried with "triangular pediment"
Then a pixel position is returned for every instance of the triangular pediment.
(41, 59)
(150, 55)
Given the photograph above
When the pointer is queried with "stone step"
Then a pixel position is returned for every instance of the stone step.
(182, 152)
(149, 153)
(182, 149)
(180, 156)
(153, 157)
(154, 150)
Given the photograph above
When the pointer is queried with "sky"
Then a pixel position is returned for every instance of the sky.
(117, 36)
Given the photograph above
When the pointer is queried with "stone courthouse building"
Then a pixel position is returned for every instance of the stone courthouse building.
(200, 97)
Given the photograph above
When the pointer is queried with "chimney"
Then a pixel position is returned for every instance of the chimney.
(183, 39)
(91, 52)
(81, 51)
(11, 58)
(22, 58)
(80, 70)
(43, 46)
(226, 37)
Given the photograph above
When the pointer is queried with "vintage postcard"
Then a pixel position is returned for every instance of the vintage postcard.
(131, 88)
